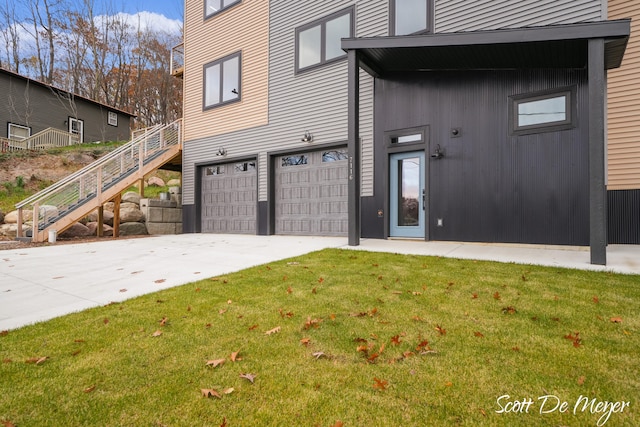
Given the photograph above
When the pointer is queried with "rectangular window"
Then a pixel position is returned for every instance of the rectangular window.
(222, 81)
(214, 170)
(334, 155)
(543, 112)
(294, 160)
(404, 139)
(411, 16)
(213, 7)
(245, 166)
(113, 119)
(18, 132)
(319, 42)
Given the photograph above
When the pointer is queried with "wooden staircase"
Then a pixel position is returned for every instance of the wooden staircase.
(74, 197)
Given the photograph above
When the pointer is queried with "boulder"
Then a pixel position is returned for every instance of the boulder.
(109, 206)
(174, 183)
(48, 212)
(1, 217)
(129, 205)
(107, 217)
(131, 215)
(76, 230)
(133, 229)
(9, 230)
(131, 197)
(12, 217)
(93, 228)
(154, 181)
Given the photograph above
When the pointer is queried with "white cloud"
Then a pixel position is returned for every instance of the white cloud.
(148, 21)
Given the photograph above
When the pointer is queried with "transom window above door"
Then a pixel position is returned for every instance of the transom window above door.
(411, 16)
(319, 42)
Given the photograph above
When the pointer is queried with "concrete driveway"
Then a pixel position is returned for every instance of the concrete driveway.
(38, 284)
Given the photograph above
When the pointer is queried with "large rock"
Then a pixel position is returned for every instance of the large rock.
(154, 181)
(76, 230)
(48, 212)
(107, 217)
(133, 229)
(131, 197)
(93, 228)
(174, 183)
(131, 215)
(109, 206)
(9, 230)
(1, 217)
(12, 217)
(129, 205)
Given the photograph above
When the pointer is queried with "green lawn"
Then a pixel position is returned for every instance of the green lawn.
(339, 336)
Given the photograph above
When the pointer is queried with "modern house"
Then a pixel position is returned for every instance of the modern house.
(482, 121)
(29, 106)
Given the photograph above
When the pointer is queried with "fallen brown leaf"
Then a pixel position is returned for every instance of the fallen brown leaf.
(273, 331)
(8, 424)
(163, 322)
(89, 389)
(441, 330)
(157, 333)
(305, 341)
(380, 384)
(123, 290)
(616, 319)
(249, 377)
(228, 390)
(478, 334)
(581, 380)
(318, 354)
(160, 281)
(234, 356)
(37, 360)
(209, 392)
(252, 327)
(215, 363)
(496, 295)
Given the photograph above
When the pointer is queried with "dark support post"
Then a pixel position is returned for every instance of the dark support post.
(354, 147)
(597, 170)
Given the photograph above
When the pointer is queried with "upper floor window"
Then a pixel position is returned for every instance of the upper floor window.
(543, 112)
(410, 16)
(113, 119)
(319, 42)
(222, 81)
(212, 7)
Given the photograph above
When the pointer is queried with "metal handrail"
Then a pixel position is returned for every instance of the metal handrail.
(113, 154)
(90, 184)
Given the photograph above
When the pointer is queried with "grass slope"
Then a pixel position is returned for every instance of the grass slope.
(367, 339)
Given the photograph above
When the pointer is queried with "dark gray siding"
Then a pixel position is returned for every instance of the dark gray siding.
(39, 107)
(491, 186)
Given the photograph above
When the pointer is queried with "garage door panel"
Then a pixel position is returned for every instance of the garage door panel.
(311, 194)
(229, 198)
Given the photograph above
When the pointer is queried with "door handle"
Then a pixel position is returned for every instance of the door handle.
(424, 199)
(438, 154)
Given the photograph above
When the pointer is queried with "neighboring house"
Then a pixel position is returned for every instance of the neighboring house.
(29, 106)
(431, 120)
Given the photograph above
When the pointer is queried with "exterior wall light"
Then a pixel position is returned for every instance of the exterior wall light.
(308, 137)
(221, 152)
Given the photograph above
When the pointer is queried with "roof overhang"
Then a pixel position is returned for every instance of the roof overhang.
(556, 46)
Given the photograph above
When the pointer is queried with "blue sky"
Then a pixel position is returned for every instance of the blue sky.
(172, 9)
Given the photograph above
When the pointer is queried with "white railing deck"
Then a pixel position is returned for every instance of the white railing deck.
(92, 185)
(48, 138)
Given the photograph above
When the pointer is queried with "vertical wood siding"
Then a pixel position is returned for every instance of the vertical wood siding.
(464, 15)
(623, 134)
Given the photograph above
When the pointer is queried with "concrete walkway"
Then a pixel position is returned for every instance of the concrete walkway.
(41, 283)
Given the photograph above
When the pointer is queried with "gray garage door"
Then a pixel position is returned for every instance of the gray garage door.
(311, 193)
(229, 194)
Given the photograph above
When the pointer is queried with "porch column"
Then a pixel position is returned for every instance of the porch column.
(597, 155)
(354, 147)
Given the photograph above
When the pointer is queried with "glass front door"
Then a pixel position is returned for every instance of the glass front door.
(406, 195)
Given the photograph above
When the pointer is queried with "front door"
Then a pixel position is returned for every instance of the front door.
(407, 195)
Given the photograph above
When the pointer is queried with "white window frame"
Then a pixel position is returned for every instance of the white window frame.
(112, 119)
(79, 130)
(11, 135)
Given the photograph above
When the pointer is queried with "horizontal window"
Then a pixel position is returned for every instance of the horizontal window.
(18, 132)
(334, 156)
(213, 7)
(542, 112)
(245, 166)
(319, 42)
(222, 81)
(295, 160)
(214, 170)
